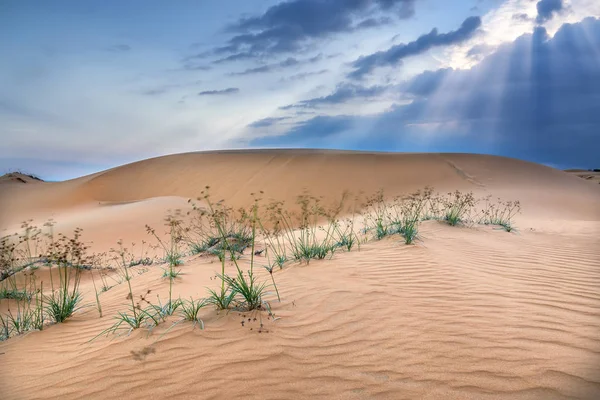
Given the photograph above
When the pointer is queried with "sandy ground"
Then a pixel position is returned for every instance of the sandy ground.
(592, 176)
(466, 313)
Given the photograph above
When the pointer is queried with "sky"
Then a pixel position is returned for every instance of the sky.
(90, 85)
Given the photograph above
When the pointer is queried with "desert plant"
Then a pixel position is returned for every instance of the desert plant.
(500, 213)
(306, 237)
(270, 271)
(275, 247)
(412, 208)
(204, 236)
(248, 288)
(15, 294)
(223, 299)
(173, 256)
(98, 305)
(457, 206)
(69, 257)
(137, 317)
(170, 273)
(190, 309)
(140, 314)
(167, 309)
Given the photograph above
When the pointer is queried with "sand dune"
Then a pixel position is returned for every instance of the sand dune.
(466, 313)
(592, 176)
(283, 174)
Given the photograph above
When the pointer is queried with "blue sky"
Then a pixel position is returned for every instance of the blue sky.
(86, 86)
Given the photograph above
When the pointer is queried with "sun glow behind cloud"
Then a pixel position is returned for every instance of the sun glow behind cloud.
(512, 19)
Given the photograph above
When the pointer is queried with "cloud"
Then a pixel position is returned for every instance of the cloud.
(192, 67)
(315, 130)
(288, 62)
(374, 22)
(536, 98)
(426, 83)
(218, 92)
(266, 122)
(258, 70)
(521, 17)
(154, 92)
(343, 93)
(480, 51)
(234, 57)
(287, 26)
(546, 9)
(394, 55)
(303, 75)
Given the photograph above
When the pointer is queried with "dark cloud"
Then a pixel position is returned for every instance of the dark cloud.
(395, 54)
(521, 17)
(374, 22)
(290, 62)
(217, 92)
(426, 83)
(287, 26)
(343, 93)
(546, 9)
(536, 98)
(266, 122)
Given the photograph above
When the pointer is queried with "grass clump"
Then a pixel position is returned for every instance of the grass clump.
(69, 257)
(458, 207)
(398, 216)
(190, 310)
(241, 291)
(500, 213)
(218, 231)
(310, 233)
(31, 308)
(139, 314)
(15, 294)
(411, 214)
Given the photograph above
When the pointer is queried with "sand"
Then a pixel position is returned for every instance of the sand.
(593, 176)
(466, 313)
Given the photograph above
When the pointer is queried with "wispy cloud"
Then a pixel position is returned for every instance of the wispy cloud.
(286, 63)
(395, 54)
(219, 92)
(266, 122)
(303, 75)
(343, 93)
